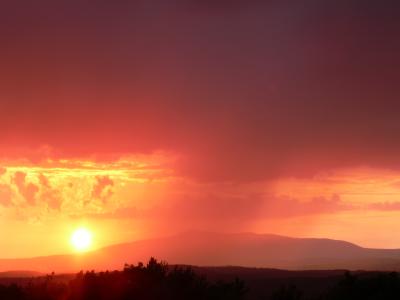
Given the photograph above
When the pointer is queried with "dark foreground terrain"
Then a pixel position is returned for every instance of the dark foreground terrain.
(157, 280)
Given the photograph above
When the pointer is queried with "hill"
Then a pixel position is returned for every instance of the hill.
(215, 249)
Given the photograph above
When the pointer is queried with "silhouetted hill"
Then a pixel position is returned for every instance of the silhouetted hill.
(19, 274)
(214, 249)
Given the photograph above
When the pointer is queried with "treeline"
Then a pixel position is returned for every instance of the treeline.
(153, 281)
(378, 286)
(157, 281)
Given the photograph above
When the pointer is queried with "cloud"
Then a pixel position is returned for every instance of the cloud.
(44, 181)
(63, 188)
(385, 206)
(27, 190)
(209, 207)
(119, 213)
(259, 111)
(51, 196)
(103, 188)
(281, 207)
(5, 195)
(245, 209)
(182, 208)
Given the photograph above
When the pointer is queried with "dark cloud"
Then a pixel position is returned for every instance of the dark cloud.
(241, 90)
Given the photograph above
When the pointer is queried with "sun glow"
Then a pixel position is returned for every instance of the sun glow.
(81, 239)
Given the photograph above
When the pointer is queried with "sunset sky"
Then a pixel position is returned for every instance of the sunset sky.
(139, 119)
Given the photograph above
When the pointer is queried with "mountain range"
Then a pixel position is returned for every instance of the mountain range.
(221, 249)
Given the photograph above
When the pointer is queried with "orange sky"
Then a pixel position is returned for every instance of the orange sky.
(139, 119)
(141, 197)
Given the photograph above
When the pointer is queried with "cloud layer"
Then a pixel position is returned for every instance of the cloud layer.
(242, 91)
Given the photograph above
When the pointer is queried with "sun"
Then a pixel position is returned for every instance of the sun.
(81, 239)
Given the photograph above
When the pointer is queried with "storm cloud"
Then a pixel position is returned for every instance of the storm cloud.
(238, 90)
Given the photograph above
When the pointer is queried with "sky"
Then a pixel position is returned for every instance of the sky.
(139, 119)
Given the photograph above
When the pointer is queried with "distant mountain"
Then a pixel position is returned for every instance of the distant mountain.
(215, 249)
(20, 274)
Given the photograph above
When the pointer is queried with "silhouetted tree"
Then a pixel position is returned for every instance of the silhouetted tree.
(11, 292)
(288, 292)
(381, 286)
(157, 281)
(153, 281)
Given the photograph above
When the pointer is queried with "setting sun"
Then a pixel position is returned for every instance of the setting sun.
(81, 239)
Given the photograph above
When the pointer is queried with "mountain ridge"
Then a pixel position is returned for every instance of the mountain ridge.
(221, 249)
